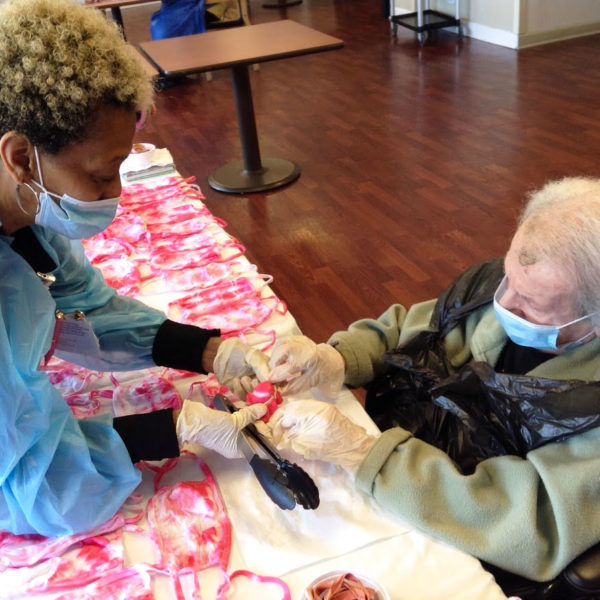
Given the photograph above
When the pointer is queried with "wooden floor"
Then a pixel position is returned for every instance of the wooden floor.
(415, 161)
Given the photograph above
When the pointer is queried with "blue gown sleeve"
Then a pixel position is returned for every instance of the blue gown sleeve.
(125, 327)
(57, 475)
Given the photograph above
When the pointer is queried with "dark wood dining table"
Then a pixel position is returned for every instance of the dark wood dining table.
(236, 49)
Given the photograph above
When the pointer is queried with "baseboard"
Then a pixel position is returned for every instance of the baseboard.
(481, 32)
(500, 37)
(527, 40)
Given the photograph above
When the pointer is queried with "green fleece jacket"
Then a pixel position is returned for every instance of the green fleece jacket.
(530, 516)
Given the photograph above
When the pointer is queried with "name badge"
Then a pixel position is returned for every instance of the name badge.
(73, 334)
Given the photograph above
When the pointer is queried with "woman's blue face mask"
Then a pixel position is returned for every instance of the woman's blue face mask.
(541, 337)
(73, 218)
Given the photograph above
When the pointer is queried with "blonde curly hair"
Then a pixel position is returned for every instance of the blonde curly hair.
(59, 63)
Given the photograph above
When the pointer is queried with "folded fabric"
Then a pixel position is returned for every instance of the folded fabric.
(158, 161)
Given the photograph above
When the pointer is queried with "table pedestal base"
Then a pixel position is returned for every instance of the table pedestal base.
(233, 178)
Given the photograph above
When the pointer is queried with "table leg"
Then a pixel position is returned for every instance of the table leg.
(252, 174)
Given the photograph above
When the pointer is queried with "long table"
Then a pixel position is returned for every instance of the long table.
(348, 531)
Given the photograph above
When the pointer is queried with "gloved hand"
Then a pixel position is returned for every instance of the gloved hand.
(240, 367)
(302, 365)
(215, 429)
(319, 431)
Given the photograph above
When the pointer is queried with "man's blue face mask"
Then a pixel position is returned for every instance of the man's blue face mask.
(532, 335)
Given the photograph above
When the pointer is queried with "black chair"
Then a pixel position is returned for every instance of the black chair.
(579, 581)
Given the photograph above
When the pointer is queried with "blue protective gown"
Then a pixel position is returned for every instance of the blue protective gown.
(59, 475)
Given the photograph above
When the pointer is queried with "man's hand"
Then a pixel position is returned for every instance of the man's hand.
(319, 431)
(298, 364)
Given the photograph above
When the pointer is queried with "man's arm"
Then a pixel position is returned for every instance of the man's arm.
(366, 340)
(529, 516)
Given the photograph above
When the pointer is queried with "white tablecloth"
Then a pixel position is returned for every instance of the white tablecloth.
(347, 532)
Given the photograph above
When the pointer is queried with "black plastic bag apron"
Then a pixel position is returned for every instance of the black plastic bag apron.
(473, 413)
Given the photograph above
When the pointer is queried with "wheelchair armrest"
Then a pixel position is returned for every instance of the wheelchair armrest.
(583, 574)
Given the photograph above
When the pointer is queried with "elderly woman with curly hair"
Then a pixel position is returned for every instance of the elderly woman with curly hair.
(70, 94)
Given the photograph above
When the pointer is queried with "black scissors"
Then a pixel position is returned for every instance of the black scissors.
(284, 482)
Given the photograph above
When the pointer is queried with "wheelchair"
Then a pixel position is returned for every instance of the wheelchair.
(579, 581)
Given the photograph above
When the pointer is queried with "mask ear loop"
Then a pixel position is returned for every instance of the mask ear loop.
(20, 202)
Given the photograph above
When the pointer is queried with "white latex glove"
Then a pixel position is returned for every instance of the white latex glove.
(301, 364)
(240, 367)
(215, 429)
(319, 431)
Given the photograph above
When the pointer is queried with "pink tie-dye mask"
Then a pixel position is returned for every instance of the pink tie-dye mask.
(231, 306)
(133, 583)
(68, 377)
(80, 565)
(146, 395)
(189, 526)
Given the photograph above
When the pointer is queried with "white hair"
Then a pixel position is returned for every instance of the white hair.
(561, 223)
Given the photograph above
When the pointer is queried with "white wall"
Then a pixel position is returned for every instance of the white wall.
(405, 6)
(520, 23)
(543, 21)
(499, 14)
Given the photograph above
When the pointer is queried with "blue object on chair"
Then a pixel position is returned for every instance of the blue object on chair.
(176, 18)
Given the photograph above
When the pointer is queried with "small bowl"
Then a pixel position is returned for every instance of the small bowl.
(141, 147)
(380, 592)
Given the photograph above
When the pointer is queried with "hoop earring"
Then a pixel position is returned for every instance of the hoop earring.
(19, 201)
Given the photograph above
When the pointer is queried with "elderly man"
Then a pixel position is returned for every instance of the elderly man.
(522, 495)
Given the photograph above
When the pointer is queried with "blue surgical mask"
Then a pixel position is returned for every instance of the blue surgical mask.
(532, 335)
(70, 217)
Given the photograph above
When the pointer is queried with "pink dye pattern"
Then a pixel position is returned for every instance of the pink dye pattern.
(134, 583)
(138, 195)
(179, 244)
(185, 228)
(83, 563)
(209, 387)
(176, 374)
(203, 277)
(189, 526)
(87, 404)
(196, 277)
(160, 215)
(26, 550)
(266, 393)
(231, 306)
(129, 228)
(285, 590)
(199, 257)
(227, 291)
(121, 274)
(68, 377)
(147, 395)
(98, 249)
(231, 321)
